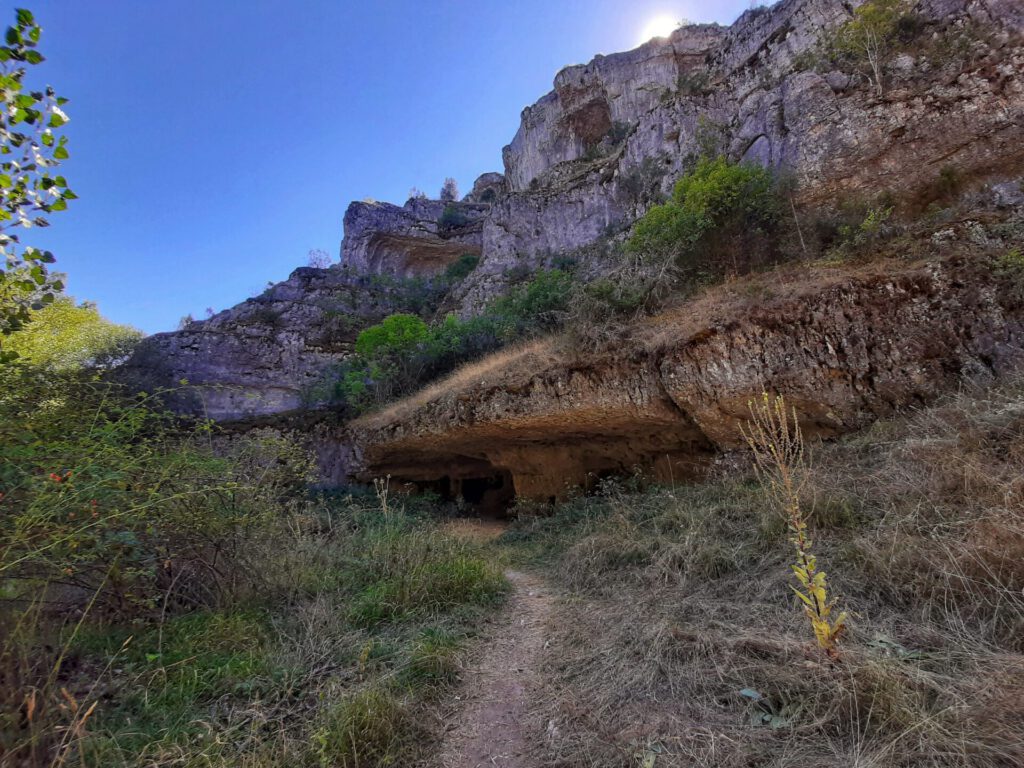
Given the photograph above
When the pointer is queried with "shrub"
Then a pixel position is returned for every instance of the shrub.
(694, 82)
(536, 306)
(867, 40)
(393, 336)
(318, 258)
(386, 362)
(105, 495)
(642, 183)
(451, 218)
(868, 231)
(400, 354)
(461, 267)
(720, 212)
(619, 132)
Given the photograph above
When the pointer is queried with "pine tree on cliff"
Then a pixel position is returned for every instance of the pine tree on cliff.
(450, 190)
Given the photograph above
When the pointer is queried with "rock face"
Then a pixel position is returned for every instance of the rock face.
(843, 350)
(268, 355)
(749, 89)
(487, 188)
(414, 240)
(589, 158)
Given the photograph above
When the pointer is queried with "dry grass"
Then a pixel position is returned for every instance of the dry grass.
(679, 600)
(493, 370)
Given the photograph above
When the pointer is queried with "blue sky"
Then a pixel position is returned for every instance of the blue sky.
(215, 142)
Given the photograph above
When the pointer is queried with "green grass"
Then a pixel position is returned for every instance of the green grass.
(372, 727)
(338, 665)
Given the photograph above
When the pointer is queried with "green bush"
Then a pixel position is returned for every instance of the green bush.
(720, 211)
(461, 267)
(402, 353)
(452, 218)
(106, 495)
(722, 216)
(395, 335)
(536, 306)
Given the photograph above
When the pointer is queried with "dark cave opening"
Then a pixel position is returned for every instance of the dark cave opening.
(488, 495)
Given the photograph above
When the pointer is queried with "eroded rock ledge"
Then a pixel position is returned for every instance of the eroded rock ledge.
(843, 348)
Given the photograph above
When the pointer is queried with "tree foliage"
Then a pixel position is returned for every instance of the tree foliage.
(450, 190)
(401, 353)
(721, 216)
(869, 38)
(65, 336)
(31, 148)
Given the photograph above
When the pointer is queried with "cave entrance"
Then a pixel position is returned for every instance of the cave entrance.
(488, 495)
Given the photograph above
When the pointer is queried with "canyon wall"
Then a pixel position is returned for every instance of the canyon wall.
(588, 159)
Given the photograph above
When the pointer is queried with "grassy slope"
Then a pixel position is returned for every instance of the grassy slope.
(678, 599)
(341, 673)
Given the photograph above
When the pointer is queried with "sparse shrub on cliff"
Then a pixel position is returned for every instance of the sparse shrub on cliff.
(451, 218)
(722, 216)
(386, 361)
(461, 267)
(402, 353)
(642, 183)
(534, 307)
(619, 132)
(693, 82)
(866, 41)
(318, 258)
(858, 229)
(1012, 262)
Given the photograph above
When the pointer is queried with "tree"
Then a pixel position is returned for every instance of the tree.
(720, 210)
(64, 336)
(450, 190)
(30, 151)
(319, 258)
(870, 37)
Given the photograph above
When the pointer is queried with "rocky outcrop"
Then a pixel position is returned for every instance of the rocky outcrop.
(268, 355)
(487, 188)
(956, 103)
(587, 160)
(589, 100)
(418, 239)
(843, 349)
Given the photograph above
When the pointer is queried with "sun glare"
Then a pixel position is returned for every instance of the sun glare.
(659, 26)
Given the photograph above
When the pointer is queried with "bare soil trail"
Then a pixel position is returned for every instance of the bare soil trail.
(489, 726)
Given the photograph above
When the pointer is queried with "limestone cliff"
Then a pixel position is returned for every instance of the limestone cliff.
(844, 346)
(588, 159)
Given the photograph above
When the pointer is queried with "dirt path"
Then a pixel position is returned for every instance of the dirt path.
(489, 728)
